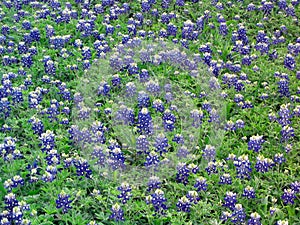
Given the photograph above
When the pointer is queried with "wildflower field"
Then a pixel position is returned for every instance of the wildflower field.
(158, 112)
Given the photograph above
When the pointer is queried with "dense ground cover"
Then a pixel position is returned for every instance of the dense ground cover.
(149, 112)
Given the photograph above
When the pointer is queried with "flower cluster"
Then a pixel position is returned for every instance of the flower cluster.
(63, 201)
(158, 200)
(125, 194)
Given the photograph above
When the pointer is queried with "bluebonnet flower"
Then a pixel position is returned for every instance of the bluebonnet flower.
(144, 75)
(183, 152)
(201, 184)
(211, 168)
(288, 196)
(10, 201)
(53, 110)
(254, 219)
(197, 116)
(183, 204)
(116, 158)
(152, 160)
(255, 143)
(172, 30)
(230, 200)
(193, 197)
(35, 34)
(5, 128)
(63, 201)
(243, 167)
(282, 4)
(125, 194)
(133, 69)
(5, 108)
(14, 182)
(14, 211)
(116, 80)
(296, 111)
(143, 99)
(157, 199)
(82, 167)
(100, 155)
(49, 31)
(249, 192)
(53, 158)
(287, 133)
(50, 173)
(86, 53)
(169, 120)
(109, 29)
(22, 47)
(103, 88)
(283, 87)
(68, 162)
(298, 75)
(209, 152)
(92, 222)
(83, 112)
(223, 29)
(246, 104)
(225, 179)
(48, 140)
(238, 215)
(153, 87)
(263, 164)
(279, 158)
(290, 10)
(145, 5)
(183, 173)
(178, 138)
(126, 115)
(142, 144)
(295, 186)
(161, 144)
(50, 67)
(117, 213)
(214, 116)
(288, 148)
(145, 124)
(130, 89)
(289, 62)
(28, 81)
(225, 216)
(239, 124)
(285, 115)
(27, 60)
(158, 105)
(26, 25)
(153, 183)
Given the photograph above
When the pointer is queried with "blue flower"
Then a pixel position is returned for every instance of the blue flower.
(183, 204)
(125, 194)
(288, 196)
(238, 215)
(230, 200)
(249, 192)
(117, 213)
(63, 201)
(157, 199)
(255, 143)
(153, 183)
(201, 184)
(145, 124)
(255, 219)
